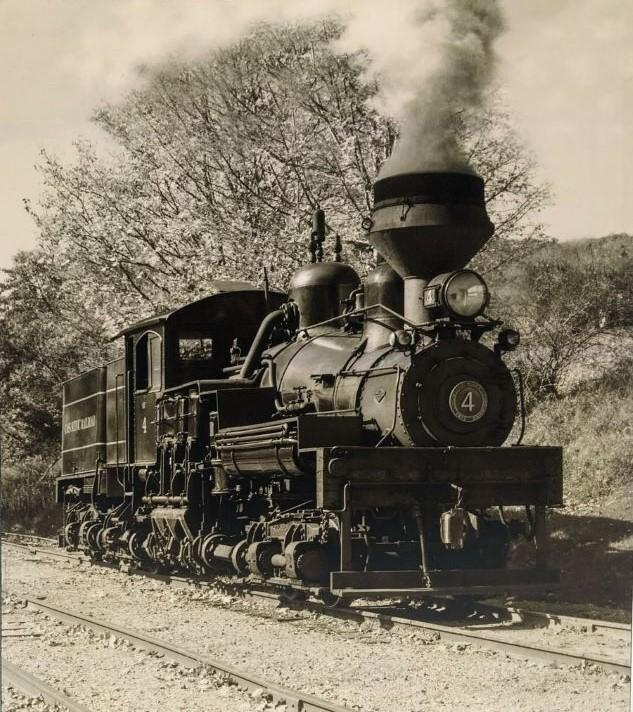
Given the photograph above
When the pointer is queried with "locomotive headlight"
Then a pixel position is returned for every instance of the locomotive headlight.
(466, 294)
(461, 294)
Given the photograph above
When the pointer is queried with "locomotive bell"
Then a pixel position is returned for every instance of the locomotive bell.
(427, 223)
(453, 528)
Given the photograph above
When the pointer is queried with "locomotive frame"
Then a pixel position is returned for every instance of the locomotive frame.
(342, 451)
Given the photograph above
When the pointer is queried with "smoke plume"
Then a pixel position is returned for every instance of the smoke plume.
(456, 39)
(431, 58)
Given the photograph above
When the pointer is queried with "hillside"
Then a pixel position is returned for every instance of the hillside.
(610, 248)
(592, 421)
(573, 304)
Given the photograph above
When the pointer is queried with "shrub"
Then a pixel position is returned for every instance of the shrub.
(593, 422)
(27, 496)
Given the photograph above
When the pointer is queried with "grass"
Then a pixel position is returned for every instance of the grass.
(594, 424)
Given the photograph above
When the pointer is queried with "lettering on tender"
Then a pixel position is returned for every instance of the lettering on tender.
(89, 421)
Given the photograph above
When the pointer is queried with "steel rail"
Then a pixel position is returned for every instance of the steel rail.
(552, 619)
(388, 621)
(472, 636)
(525, 614)
(20, 535)
(294, 700)
(46, 551)
(521, 650)
(592, 625)
(32, 686)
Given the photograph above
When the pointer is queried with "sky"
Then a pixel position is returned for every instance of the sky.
(565, 67)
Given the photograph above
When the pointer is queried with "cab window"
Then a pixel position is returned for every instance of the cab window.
(193, 348)
(149, 363)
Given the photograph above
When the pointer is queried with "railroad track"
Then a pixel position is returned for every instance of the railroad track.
(397, 618)
(31, 686)
(295, 700)
(48, 551)
(543, 618)
(20, 537)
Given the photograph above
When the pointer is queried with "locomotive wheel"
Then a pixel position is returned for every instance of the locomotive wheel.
(238, 557)
(206, 551)
(92, 537)
(195, 551)
(135, 546)
(188, 557)
(81, 535)
(107, 537)
(88, 535)
(71, 534)
(258, 557)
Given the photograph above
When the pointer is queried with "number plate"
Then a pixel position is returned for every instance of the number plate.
(468, 401)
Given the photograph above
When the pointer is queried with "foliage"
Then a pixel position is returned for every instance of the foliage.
(569, 302)
(612, 257)
(514, 198)
(44, 340)
(593, 424)
(27, 495)
(221, 162)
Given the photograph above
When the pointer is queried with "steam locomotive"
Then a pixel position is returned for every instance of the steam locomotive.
(345, 439)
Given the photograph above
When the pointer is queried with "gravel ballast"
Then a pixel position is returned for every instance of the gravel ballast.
(361, 666)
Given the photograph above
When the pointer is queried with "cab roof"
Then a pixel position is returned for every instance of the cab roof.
(216, 287)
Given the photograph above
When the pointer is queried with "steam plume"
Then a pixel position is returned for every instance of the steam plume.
(432, 58)
(457, 39)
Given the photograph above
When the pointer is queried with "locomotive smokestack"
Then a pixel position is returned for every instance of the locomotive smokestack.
(425, 224)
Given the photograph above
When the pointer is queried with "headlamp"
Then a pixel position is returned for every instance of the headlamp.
(462, 294)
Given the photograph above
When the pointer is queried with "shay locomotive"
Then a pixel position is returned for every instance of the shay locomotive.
(346, 439)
